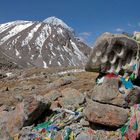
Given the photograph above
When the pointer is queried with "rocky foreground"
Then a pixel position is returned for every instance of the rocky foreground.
(61, 104)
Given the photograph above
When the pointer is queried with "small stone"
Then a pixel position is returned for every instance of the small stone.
(53, 95)
(83, 122)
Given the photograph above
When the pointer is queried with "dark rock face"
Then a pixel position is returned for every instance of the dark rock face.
(112, 52)
(106, 114)
(45, 44)
(5, 63)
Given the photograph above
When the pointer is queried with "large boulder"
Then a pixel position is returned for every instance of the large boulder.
(108, 92)
(105, 114)
(112, 52)
(137, 36)
(25, 113)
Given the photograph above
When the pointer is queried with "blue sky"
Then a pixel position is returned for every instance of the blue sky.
(89, 18)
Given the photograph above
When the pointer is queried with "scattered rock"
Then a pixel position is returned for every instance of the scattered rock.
(83, 122)
(108, 92)
(71, 97)
(106, 114)
(133, 97)
(19, 97)
(25, 133)
(24, 114)
(2, 75)
(54, 104)
(84, 136)
(53, 95)
(61, 82)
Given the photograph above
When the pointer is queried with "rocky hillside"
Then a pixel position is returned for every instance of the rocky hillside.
(43, 44)
(55, 103)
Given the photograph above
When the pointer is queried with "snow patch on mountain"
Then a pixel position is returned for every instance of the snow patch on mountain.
(60, 31)
(15, 31)
(17, 52)
(43, 36)
(30, 35)
(77, 51)
(5, 26)
(45, 64)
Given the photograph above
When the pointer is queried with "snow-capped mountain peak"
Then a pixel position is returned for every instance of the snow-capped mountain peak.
(56, 22)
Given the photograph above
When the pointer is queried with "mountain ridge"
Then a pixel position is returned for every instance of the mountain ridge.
(43, 44)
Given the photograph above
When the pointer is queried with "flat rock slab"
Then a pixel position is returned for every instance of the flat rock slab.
(105, 114)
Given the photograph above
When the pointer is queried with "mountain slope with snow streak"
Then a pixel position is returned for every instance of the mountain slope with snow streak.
(43, 44)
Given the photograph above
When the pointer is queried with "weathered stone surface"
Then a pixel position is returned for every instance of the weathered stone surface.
(24, 114)
(25, 133)
(133, 97)
(54, 104)
(71, 97)
(53, 95)
(106, 114)
(84, 136)
(61, 82)
(108, 92)
(112, 52)
(2, 75)
(90, 134)
(137, 36)
(84, 122)
(33, 109)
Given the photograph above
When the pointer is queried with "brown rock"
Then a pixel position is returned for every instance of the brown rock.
(108, 92)
(54, 104)
(24, 114)
(84, 136)
(61, 82)
(71, 97)
(53, 95)
(112, 51)
(83, 122)
(133, 97)
(106, 114)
